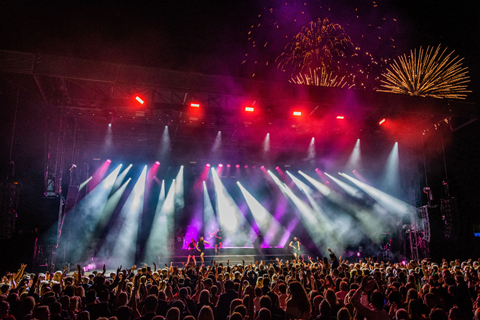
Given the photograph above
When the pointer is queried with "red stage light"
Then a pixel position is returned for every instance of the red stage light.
(157, 163)
(249, 109)
(108, 160)
(195, 105)
(238, 166)
(353, 170)
(297, 113)
(382, 121)
(220, 165)
(228, 166)
(208, 164)
(277, 168)
(140, 100)
(262, 167)
(246, 166)
(340, 117)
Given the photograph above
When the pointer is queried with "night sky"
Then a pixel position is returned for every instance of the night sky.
(212, 37)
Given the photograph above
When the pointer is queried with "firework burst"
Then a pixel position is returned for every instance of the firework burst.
(318, 45)
(372, 26)
(430, 73)
(320, 77)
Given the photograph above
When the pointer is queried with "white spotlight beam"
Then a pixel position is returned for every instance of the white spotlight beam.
(302, 186)
(94, 202)
(392, 204)
(266, 143)
(317, 184)
(217, 143)
(354, 161)
(108, 182)
(325, 226)
(278, 182)
(179, 191)
(88, 213)
(210, 222)
(300, 204)
(373, 222)
(165, 144)
(308, 192)
(161, 200)
(348, 189)
(392, 169)
(311, 150)
(126, 240)
(307, 215)
(161, 197)
(162, 226)
(121, 176)
(265, 221)
(227, 210)
(229, 216)
(111, 204)
(83, 184)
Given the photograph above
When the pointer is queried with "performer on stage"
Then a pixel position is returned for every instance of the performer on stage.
(192, 246)
(218, 239)
(201, 247)
(297, 251)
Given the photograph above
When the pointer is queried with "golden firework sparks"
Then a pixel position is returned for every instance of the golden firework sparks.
(316, 45)
(430, 73)
(319, 77)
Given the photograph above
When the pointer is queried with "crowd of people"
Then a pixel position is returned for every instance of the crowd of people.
(319, 289)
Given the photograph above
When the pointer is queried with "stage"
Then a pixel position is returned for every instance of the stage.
(233, 256)
(335, 168)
